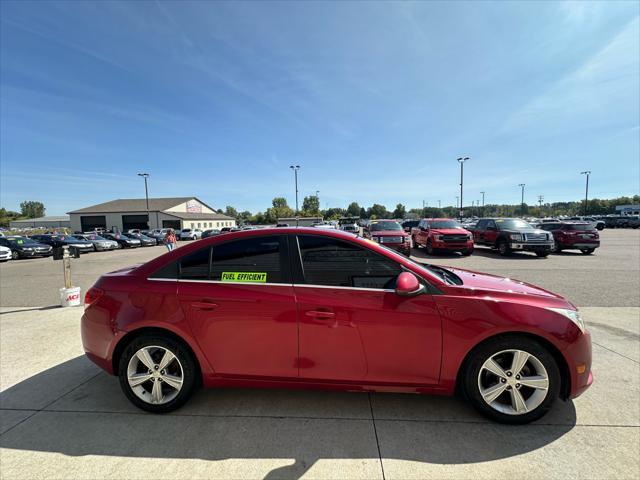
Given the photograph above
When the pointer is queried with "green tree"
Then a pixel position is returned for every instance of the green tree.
(311, 206)
(377, 211)
(400, 211)
(231, 212)
(280, 209)
(353, 210)
(32, 209)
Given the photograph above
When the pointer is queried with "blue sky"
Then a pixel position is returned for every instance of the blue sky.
(374, 100)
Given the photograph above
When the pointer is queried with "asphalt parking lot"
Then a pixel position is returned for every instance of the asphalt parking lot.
(61, 417)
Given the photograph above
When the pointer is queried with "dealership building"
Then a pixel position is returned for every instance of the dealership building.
(129, 213)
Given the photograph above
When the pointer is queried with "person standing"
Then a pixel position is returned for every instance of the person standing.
(170, 239)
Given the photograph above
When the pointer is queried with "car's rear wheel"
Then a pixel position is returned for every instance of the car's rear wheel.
(511, 380)
(157, 374)
(503, 248)
(587, 251)
(542, 253)
(556, 248)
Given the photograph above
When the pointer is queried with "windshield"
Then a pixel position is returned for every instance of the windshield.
(95, 237)
(444, 224)
(22, 241)
(380, 226)
(507, 223)
(74, 238)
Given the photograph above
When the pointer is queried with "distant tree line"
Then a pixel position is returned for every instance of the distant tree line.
(311, 208)
(28, 209)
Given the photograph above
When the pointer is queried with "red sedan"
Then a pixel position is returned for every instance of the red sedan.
(303, 307)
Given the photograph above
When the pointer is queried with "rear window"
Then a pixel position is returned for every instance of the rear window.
(579, 226)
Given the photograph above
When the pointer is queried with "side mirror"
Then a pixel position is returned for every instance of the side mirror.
(408, 285)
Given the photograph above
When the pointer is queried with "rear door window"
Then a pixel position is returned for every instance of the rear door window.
(251, 260)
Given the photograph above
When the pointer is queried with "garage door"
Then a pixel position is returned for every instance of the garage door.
(175, 224)
(88, 224)
(134, 221)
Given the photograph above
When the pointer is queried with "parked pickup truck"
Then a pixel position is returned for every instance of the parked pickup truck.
(509, 234)
(442, 234)
(581, 236)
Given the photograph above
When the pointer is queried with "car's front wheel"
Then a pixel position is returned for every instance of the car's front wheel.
(511, 379)
(504, 249)
(587, 251)
(430, 249)
(15, 255)
(157, 374)
(542, 253)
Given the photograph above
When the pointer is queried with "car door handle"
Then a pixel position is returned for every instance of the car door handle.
(319, 314)
(204, 305)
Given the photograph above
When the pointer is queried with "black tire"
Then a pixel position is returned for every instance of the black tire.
(467, 252)
(415, 244)
(15, 255)
(471, 371)
(556, 248)
(503, 248)
(543, 253)
(430, 250)
(185, 358)
(588, 251)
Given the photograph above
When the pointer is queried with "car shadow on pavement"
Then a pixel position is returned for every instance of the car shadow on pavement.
(287, 432)
(421, 254)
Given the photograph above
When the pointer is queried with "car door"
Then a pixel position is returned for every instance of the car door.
(238, 298)
(490, 234)
(478, 231)
(352, 325)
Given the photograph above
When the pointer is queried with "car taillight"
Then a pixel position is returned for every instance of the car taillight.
(92, 296)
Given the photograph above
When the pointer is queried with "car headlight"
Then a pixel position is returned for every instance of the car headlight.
(438, 237)
(515, 236)
(376, 239)
(572, 315)
(27, 249)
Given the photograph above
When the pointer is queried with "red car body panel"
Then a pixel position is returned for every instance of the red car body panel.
(329, 337)
(434, 236)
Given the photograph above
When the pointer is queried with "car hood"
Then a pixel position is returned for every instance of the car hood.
(523, 230)
(487, 282)
(450, 231)
(389, 233)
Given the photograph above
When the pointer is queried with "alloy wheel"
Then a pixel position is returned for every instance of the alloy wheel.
(155, 375)
(513, 382)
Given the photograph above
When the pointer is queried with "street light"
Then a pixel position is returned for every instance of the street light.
(295, 169)
(586, 193)
(482, 203)
(521, 185)
(146, 193)
(461, 160)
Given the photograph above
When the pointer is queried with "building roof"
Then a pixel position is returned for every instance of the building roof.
(54, 218)
(199, 216)
(136, 205)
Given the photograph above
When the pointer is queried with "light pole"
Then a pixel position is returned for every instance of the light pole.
(146, 194)
(482, 203)
(461, 160)
(318, 198)
(586, 192)
(295, 169)
(521, 185)
(439, 204)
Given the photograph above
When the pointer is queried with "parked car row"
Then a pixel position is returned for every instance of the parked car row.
(504, 235)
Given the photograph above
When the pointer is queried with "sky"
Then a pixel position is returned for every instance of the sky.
(375, 101)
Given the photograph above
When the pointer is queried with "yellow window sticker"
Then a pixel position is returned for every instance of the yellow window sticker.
(244, 277)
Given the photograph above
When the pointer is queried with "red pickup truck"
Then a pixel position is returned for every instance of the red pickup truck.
(442, 234)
